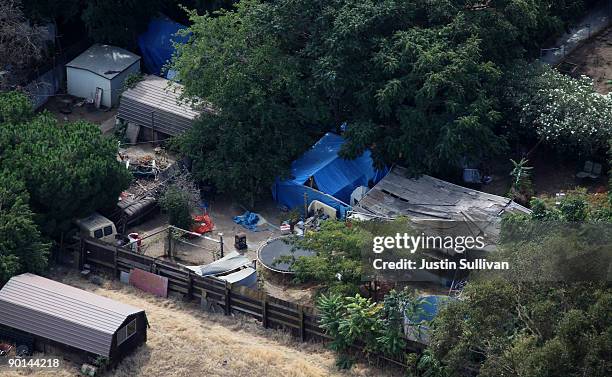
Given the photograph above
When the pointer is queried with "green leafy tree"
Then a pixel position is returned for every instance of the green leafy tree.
(22, 248)
(417, 84)
(544, 317)
(337, 263)
(69, 170)
(263, 115)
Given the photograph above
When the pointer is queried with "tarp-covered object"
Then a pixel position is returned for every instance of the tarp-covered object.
(156, 44)
(334, 178)
(230, 262)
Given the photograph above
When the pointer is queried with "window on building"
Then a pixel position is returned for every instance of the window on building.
(98, 233)
(126, 332)
(108, 230)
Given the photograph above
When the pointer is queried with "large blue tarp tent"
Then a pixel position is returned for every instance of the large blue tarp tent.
(156, 44)
(332, 177)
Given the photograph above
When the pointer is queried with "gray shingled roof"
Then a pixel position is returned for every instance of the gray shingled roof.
(104, 60)
(155, 103)
(62, 313)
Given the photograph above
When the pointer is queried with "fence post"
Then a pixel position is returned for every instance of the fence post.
(190, 286)
(115, 269)
(302, 325)
(221, 244)
(264, 312)
(81, 254)
(228, 291)
(169, 251)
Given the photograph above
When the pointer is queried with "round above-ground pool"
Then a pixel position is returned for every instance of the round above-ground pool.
(269, 252)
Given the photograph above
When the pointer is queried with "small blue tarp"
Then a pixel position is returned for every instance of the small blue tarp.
(335, 178)
(156, 44)
(248, 220)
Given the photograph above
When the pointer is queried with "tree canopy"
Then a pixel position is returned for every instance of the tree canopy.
(69, 169)
(416, 84)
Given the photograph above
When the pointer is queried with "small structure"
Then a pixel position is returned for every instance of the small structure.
(155, 105)
(321, 174)
(437, 206)
(101, 71)
(79, 324)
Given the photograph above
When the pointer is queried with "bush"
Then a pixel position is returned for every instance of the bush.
(175, 203)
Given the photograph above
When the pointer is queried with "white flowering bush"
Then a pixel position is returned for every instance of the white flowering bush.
(568, 113)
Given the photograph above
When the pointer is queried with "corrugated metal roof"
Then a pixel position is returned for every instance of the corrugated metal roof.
(62, 313)
(430, 202)
(155, 103)
(104, 60)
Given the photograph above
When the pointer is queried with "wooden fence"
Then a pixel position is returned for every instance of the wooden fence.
(301, 321)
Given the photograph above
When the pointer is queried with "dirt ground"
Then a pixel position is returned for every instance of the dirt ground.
(103, 117)
(551, 174)
(594, 59)
(186, 341)
(197, 251)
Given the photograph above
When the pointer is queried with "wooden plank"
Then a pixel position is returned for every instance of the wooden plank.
(236, 302)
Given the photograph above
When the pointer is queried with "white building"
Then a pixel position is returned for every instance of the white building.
(104, 67)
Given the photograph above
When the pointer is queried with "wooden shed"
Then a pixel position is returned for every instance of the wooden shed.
(60, 318)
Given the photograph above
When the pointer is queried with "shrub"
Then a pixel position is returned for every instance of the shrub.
(175, 203)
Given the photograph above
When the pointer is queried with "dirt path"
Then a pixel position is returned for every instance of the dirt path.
(185, 341)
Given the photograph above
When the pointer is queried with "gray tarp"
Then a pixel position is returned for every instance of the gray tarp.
(246, 277)
(229, 262)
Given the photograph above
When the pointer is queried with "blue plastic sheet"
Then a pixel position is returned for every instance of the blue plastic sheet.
(156, 44)
(335, 177)
(248, 220)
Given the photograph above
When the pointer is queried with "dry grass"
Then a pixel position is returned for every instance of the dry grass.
(185, 341)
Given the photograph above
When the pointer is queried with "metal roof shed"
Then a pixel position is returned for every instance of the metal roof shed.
(155, 103)
(70, 318)
(101, 66)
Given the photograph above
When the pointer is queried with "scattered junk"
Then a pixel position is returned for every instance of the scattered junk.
(5, 349)
(99, 73)
(272, 254)
(321, 174)
(591, 170)
(357, 194)
(322, 210)
(86, 327)
(240, 241)
(202, 224)
(89, 370)
(134, 242)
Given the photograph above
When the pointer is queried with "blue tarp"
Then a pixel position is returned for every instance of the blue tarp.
(335, 178)
(248, 220)
(156, 44)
